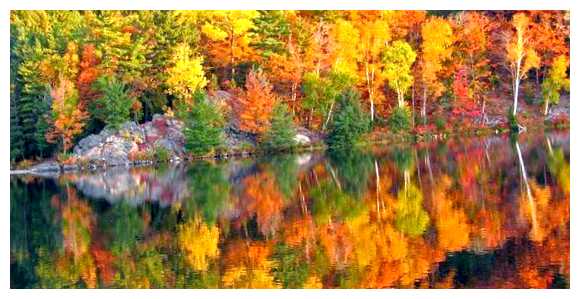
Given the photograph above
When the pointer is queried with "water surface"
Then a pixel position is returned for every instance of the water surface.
(464, 213)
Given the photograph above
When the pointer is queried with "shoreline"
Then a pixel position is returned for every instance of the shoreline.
(374, 138)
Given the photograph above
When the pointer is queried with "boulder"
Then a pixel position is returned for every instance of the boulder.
(116, 147)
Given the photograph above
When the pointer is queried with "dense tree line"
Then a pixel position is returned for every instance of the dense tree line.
(76, 72)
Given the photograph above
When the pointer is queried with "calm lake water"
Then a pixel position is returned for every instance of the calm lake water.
(468, 213)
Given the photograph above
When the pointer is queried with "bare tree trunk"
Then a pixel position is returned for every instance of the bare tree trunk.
(328, 116)
(369, 78)
(516, 93)
(517, 86)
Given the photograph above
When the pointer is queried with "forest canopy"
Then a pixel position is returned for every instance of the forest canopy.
(73, 73)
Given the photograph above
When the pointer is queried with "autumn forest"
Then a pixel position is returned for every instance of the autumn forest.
(290, 149)
(341, 75)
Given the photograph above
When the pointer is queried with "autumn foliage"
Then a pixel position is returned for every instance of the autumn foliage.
(254, 107)
(443, 65)
(68, 118)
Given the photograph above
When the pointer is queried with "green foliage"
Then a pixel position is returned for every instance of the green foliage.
(411, 218)
(403, 158)
(203, 127)
(353, 169)
(161, 154)
(556, 81)
(273, 28)
(281, 134)
(114, 106)
(124, 226)
(329, 202)
(398, 59)
(285, 168)
(16, 142)
(290, 268)
(209, 192)
(44, 148)
(321, 92)
(559, 167)
(349, 123)
(400, 119)
(440, 123)
(512, 120)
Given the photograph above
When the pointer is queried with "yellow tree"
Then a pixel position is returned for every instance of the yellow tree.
(520, 56)
(556, 81)
(398, 59)
(346, 38)
(186, 75)
(374, 35)
(436, 49)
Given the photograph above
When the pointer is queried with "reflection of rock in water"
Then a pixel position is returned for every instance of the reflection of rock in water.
(136, 186)
(165, 186)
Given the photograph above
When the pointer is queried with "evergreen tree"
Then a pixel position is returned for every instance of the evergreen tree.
(114, 106)
(273, 29)
(349, 123)
(203, 128)
(16, 141)
(282, 131)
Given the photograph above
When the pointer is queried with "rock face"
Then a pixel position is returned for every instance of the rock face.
(132, 141)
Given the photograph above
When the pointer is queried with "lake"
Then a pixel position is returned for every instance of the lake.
(481, 212)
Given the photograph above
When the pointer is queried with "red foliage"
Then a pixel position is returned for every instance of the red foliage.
(422, 129)
(254, 108)
(88, 73)
(464, 105)
(460, 85)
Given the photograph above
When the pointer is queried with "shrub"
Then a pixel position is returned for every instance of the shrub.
(400, 119)
(161, 154)
(350, 122)
(282, 131)
(203, 128)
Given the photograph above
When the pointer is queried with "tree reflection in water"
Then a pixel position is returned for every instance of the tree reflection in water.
(466, 213)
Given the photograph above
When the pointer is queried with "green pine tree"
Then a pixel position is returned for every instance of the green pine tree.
(282, 131)
(203, 128)
(350, 121)
(114, 106)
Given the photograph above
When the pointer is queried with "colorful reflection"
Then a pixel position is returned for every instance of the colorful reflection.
(466, 213)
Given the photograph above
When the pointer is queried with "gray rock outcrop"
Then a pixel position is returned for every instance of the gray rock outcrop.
(124, 146)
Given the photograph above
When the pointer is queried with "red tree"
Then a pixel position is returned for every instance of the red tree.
(254, 108)
(88, 73)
